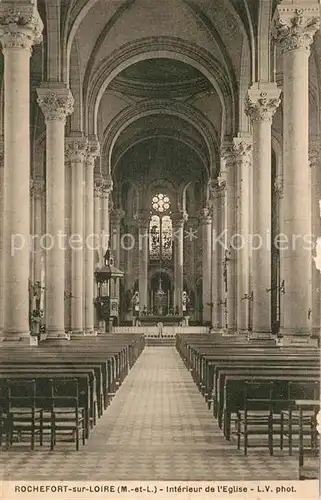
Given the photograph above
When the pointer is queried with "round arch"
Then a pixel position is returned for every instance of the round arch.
(147, 108)
(167, 48)
(183, 140)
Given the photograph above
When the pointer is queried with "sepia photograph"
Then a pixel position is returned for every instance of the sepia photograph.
(160, 249)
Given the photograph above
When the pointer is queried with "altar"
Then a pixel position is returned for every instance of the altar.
(154, 320)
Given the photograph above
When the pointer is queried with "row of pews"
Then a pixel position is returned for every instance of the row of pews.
(261, 394)
(58, 392)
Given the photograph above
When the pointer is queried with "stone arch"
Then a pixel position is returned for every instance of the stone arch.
(168, 48)
(180, 139)
(152, 107)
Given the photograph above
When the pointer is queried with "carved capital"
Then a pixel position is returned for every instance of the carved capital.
(116, 216)
(217, 188)
(56, 104)
(20, 25)
(97, 190)
(37, 188)
(179, 219)
(75, 150)
(107, 186)
(92, 152)
(142, 219)
(279, 186)
(243, 151)
(293, 27)
(204, 216)
(228, 161)
(262, 102)
(314, 155)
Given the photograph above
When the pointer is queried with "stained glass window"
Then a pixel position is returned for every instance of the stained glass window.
(160, 230)
(166, 237)
(154, 237)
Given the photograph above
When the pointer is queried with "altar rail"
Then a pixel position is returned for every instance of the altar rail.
(168, 331)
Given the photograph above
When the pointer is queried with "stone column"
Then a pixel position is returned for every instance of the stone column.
(315, 164)
(56, 103)
(1, 236)
(38, 191)
(116, 217)
(178, 220)
(107, 188)
(206, 228)
(243, 152)
(262, 102)
(98, 254)
(218, 192)
(91, 237)
(294, 29)
(98, 232)
(190, 239)
(20, 29)
(142, 221)
(75, 155)
(229, 261)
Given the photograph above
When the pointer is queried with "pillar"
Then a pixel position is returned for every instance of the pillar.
(206, 229)
(91, 237)
(38, 191)
(230, 255)
(190, 239)
(98, 255)
(262, 102)
(315, 165)
(20, 28)
(107, 187)
(116, 217)
(243, 150)
(75, 155)
(178, 220)
(218, 193)
(56, 104)
(142, 220)
(1, 236)
(294, 29)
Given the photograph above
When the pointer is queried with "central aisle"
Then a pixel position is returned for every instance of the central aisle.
(156, 428)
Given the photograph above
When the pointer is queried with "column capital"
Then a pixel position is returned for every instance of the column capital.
(107, 185)
(20, 25)
(228, 157)
(142, 219)
(204, 216)
(279, 186)
(179, 219)
(92, 151)
(75, 149)
(217, 187)
(243, 150)
(117, 215)
(294, 25)
(314, 154)
(55, 103)
(262, 101)
(37, 188)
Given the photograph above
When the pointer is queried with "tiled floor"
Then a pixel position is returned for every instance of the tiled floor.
(156, 428)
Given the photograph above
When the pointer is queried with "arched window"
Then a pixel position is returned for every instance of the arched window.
(160, 229)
